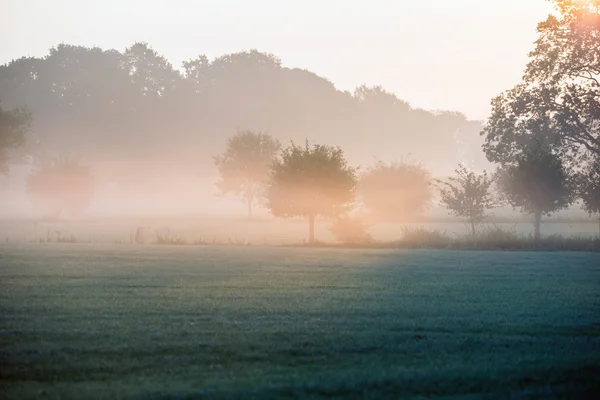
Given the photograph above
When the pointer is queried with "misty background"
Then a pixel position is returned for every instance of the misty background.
(122, 86)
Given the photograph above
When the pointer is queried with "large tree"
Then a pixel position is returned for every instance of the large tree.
(244, 166)
(396, 191)
(558, 101)
(467, 195)
(589, 188)
(310, 181)
(14, 125)
(537, 183)
(63, 185)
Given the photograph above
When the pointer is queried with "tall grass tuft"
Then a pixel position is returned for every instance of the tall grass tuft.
(164, 237)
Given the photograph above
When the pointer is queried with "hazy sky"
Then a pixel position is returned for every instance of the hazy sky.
(437, 54)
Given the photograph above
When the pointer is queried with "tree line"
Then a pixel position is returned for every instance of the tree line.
(543, 135)
(104, 105)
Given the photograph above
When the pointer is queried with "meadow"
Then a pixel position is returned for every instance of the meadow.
(173, 322)
(257, 231)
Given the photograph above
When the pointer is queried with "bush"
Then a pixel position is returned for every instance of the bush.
(351, 230)
(423, 237)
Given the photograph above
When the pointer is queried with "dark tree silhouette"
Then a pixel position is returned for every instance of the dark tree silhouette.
(589, 188)
(14, 125)
(244, 166)
(63, 185)
(396, 191)
(560, 93)
(311, 181)
(537, 183)
(467, 195)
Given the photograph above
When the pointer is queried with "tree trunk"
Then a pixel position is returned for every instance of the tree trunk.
(536, 224)
(598, 228)
(311, 229)
(473, 230)
(249, 207)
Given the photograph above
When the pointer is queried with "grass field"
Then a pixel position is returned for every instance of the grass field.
(257, 231)
(93, 321)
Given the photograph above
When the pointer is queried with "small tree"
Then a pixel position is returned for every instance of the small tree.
(244, 166)
(14, 125)
(537, 183)
(311, 181)
(396, 190)
(64, 185)
(467, 195)
(589, 188)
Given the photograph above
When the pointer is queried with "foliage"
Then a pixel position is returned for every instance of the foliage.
(104, 104)
(490, 238)
(64, 185)
(396, 190)
(558, 102)
(423, 237)
(537, 183)
(589, 186)
(14, 125)
(467, 195)
(245, 165)
(311, 181)
(496, 234)
(350, 230)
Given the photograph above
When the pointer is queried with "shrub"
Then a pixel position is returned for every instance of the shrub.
(423, 237)
(350, 230)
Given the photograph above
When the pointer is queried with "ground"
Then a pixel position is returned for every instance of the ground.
(94, 321)
(259, 231)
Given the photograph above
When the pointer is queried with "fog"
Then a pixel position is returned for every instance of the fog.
(147, 124)
(149, 131)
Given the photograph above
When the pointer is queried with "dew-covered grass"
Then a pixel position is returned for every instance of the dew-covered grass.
(90, 321)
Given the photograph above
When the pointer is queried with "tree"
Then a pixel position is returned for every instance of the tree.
(63, 185)
(311, 181)
(102, 103)
(14, 126)
(561, 88)
(396, 190)
(589, 188)
(537, 183)
(467, 195)
(245, 164)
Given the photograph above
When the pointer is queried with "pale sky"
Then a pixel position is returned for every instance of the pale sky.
(436, 54)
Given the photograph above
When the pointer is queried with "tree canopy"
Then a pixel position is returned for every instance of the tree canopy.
(14, 125)
(244, 166)
(107, 104)
(589, 187)
(396, 191)
(467, 195)
(558, 101)
(63, 185)
(537, 183)
(310, 181)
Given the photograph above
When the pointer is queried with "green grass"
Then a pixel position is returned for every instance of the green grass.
(173, 322)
